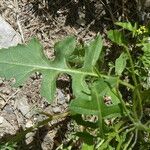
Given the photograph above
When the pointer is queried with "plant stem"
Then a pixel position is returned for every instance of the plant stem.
(100, 117)
(20, 135)
(124, 105)
(129, 141)
(137, 92)
(104, 145)
(142, 127)
(135, 140)
(98, 74)
(126, 84)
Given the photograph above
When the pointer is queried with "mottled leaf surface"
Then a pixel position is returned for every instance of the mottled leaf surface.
(21, 61)
(99, 90)
(116, 37)
(120, 63)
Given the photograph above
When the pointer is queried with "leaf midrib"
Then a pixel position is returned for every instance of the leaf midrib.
(54, 68)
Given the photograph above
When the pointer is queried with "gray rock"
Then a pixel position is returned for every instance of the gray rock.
(56, 109)
(8, 36)
(60, 97)
(6, 127)
(9, 109)
(6, 90)
(29, 124)
(2, 103)
(23, 106)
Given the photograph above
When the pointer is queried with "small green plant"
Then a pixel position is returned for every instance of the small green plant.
(8, 146)
(115, 97)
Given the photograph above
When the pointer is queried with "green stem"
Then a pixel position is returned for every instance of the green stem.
(135, 140)
(124, 105)
(104, 146)
(142, 127)
(126, 84)
(100, 117)
(129, 141)
(98, 74)
(137, 92)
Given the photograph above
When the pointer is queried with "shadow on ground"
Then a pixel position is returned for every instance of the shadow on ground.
(99, 15)
(39, 136)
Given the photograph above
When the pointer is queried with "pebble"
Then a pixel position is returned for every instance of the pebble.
(6, 91)
(29, 138)
(65, 105)
(60, 97)
(23, 106)
(2, 103)
(56, 109)
(1, 119)
(29, 124)
(9, 109)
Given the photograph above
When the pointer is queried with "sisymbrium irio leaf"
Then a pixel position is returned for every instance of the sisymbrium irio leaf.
(100, 89)
(92, 53)
(116, 37)
(127, 26)
(120, 63)
(21, 61)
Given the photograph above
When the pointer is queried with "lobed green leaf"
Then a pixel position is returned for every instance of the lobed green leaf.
(21, 61)
(127, 26)
(116, 37)
(120, 63)
(90, 106)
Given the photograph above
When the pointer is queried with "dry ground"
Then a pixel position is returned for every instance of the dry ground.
(49, 22)
(20, 107)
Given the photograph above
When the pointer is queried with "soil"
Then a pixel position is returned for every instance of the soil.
(50, 21)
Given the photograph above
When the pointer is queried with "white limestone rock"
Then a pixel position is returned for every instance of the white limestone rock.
(8, 36)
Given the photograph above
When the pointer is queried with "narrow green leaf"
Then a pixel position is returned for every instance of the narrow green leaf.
(92, 53)
(146, 55)
(116, 37)
(127, 26)
(100, 104)
(120, 63)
